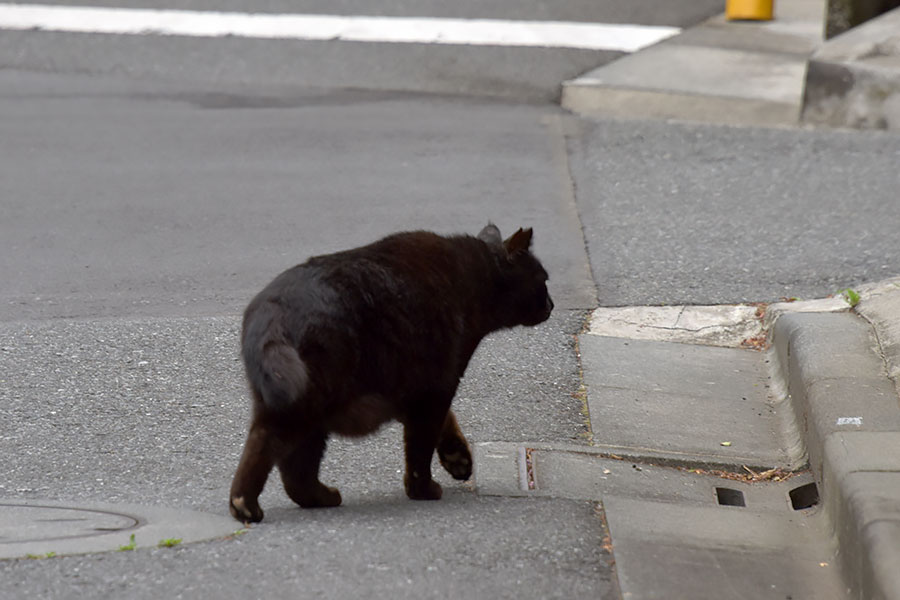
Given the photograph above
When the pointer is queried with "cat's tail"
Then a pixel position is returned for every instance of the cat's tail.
(273, 364)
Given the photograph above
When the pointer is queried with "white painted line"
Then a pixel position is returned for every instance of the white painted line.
(480, 32)
(849, 421)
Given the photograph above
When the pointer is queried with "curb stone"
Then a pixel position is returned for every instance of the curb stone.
(862, 472)
(847, 410)
(853, 80)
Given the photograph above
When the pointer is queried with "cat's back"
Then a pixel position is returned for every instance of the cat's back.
(426, 257)
(406, 260)
(408, 267)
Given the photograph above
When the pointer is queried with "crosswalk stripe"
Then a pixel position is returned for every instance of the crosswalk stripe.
(480, 32)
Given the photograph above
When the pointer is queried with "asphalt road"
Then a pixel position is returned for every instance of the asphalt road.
(519, 74)
(694, 214)
(128, 198)
(141, 219)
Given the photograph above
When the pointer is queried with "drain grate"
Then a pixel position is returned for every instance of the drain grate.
(730, 497)
(805, 496)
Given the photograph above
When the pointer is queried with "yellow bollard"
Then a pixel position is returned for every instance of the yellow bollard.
(751, 10)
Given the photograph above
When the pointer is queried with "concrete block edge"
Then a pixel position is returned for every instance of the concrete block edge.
(867, 554)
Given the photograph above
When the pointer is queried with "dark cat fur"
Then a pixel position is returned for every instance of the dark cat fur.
(348, 341)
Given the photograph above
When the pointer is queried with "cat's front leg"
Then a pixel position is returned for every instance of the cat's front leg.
(420, 435)
(453, 449)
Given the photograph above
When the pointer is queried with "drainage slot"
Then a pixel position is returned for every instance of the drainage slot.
(805, 496)
(730, 497)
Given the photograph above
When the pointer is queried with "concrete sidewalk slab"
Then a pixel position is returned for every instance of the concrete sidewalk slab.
(720, 71)
(668, 551)
(880, 306)
(831, 382)
(705, 405)
(724, 325)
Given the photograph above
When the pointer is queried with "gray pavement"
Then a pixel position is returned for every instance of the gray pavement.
(146, 215)
(165, 173)
(678, 213)
(151, 412)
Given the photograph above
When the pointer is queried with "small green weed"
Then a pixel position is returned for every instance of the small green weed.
(851, 296)
(40, 556)
(131, 545)
(169, 542)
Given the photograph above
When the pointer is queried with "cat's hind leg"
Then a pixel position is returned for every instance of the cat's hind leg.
(453, 449)
(253, 470)
(300, 472)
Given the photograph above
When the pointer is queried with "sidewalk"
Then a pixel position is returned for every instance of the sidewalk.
(764, 474)
(839, 370)
(831, 402)
(755, 73)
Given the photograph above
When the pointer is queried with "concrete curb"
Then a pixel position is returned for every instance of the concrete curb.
(853, 80)
(775, 73)
(720, 71)
(847, 410)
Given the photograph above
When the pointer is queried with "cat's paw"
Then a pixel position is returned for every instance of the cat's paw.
(322, 497)
(318, 495)
(245, 510)
(456, 458)
(418, 489)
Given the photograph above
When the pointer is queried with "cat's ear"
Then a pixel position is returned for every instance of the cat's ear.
(490, 235)
(518, 242)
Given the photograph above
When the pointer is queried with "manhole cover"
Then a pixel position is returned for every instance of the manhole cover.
(36, 528)
(40, 523)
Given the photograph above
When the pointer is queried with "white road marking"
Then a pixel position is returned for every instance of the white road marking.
(480, 32)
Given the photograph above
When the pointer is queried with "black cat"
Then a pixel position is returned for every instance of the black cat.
(348, 341)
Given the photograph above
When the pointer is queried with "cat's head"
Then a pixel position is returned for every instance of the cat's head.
(524, 297)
